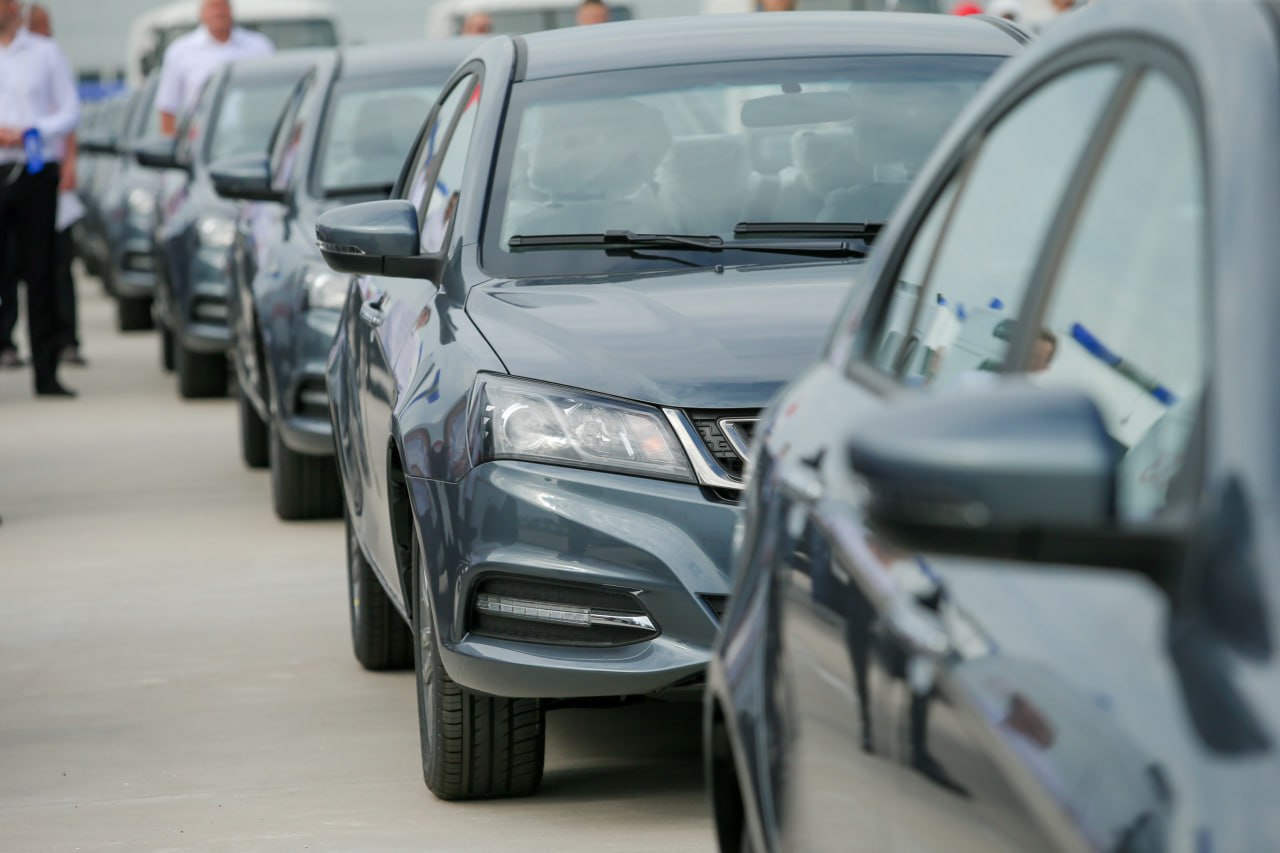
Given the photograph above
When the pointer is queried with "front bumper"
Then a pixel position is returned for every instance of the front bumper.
(135, 269)
(203, 308)
(306, 426)
(666, 543)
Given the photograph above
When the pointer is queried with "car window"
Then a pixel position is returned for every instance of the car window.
(432, 142)
(192, 127)
(288, 136)
(1127, 320)
(370, 127)
(444, 195)
(951, 317)
(246, 116)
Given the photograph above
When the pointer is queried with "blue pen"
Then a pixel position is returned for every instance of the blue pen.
(1103, 353)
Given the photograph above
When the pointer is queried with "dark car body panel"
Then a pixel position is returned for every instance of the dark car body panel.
(281, 343)
(1164, 720)
(401, 389)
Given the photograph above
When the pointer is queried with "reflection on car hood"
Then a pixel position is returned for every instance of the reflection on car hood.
(697, 339)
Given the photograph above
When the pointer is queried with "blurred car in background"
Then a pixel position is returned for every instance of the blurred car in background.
(599, 264)
(1006, 579)
(97, 167)
(235, 114)
(290, 24)
(343, 138)
(125, 211)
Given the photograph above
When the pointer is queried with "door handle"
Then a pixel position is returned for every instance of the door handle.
(371, 312)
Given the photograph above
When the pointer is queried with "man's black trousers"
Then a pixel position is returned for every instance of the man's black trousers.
(28, 211)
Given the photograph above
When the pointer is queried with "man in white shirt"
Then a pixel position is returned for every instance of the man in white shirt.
(39, 109)
(192, 59)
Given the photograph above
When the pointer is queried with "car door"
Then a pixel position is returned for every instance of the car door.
(856, 703)
(391, 307)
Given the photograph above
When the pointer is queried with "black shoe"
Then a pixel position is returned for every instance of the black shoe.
(10, 359)
(54, 389)
(72, 356)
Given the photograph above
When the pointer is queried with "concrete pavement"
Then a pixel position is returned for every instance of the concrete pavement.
(175, 664)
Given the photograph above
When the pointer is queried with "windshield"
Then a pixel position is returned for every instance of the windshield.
(700, 149)
(370, 128)
(246, 117)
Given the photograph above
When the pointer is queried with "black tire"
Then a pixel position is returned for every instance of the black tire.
(254, 437)
(166, 349)
(201, 375)
(474, 746)
(133, 313)
(302, 486)
(379, 635)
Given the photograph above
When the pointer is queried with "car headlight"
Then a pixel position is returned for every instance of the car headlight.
(519, 419)
(142, 204)
(325, 288)
(216, 233)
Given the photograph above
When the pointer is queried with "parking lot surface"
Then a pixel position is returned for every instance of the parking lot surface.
(176, 670)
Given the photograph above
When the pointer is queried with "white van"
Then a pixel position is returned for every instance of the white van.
(288, 23)
(514, 17)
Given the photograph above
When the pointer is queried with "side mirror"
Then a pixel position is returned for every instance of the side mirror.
(157, 153)
(94, 144)
(245, 178)
(1017, 473)
(376, 238)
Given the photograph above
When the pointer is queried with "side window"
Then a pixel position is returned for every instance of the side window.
(288, 137)
(443, 198)
(1127, 320)
(967, 272)
(192, 126)
(432, 143)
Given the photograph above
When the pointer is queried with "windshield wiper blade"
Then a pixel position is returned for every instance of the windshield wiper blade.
(858, 230)
(706, 243)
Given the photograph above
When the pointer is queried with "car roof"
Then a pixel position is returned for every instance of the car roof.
(375, 59)
(725, 38)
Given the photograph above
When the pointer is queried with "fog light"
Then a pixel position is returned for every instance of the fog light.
(559, 614)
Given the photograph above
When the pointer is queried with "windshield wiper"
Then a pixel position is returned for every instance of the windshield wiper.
(703, 243)
(866, 231)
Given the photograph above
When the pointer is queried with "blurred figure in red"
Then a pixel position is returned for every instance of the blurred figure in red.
(477, 24)
(777, 5)
(592, 12)
(966, 9)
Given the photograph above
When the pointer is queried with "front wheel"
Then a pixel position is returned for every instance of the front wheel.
(379, 636)
(167, 345)
(253, 435)
(200, 374)
(302, 486)
(133, 313)
(473, 746)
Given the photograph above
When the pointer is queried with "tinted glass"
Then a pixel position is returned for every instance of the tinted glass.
(247, 115)
(697, 149)
(975, 282)
(370, 131)
(1127, 321)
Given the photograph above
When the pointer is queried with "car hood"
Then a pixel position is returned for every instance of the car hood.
(697, 339)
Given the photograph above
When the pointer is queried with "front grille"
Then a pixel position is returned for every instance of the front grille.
(313, 398)
(536, 611)
(709, 427)
(138, 262)
(209, 309)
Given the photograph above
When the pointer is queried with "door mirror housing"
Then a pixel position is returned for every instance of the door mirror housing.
(376, 238)
(158, 153)
(1015, 473)
(97, 144)
(246, 178)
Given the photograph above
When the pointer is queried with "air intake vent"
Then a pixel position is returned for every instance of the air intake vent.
(561, 614)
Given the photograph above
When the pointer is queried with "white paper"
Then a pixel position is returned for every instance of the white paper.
(70, 210)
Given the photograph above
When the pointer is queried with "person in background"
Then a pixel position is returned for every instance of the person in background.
(39, 108)
(192, 59)
(777, 5)
(966, 9)
(592, 12)
(477, 24)
(69, 210)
